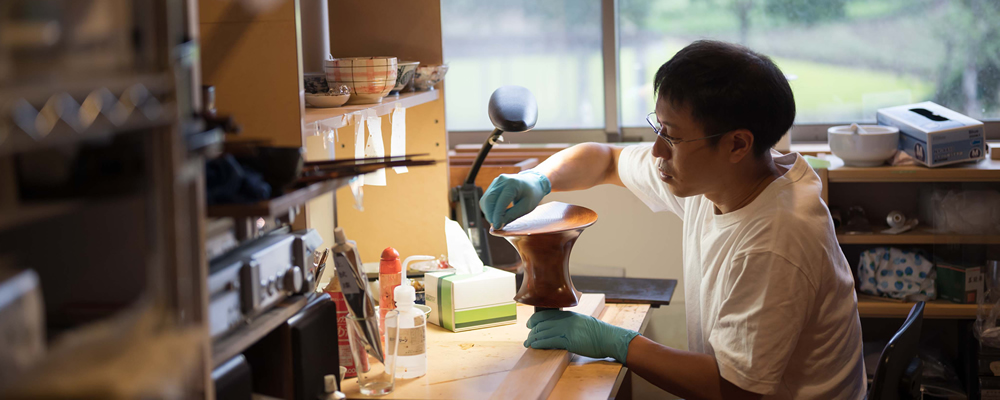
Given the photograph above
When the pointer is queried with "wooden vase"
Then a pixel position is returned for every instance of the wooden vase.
(544, 238)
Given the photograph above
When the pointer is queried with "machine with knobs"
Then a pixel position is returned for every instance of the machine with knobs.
(252, 278)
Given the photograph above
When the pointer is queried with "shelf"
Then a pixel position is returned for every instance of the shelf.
(917, 236)
(982, 171)
(235, 342)
(871, 307)
(278, 205)
(333, 118)
(25, 214)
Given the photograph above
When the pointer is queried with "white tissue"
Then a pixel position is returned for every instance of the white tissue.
(461, 253)
(359, 141)
(374, 148)
(398, 143)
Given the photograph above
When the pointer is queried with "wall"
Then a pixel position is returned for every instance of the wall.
(630, 240)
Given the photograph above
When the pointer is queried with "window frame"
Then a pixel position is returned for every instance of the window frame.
(614, 131)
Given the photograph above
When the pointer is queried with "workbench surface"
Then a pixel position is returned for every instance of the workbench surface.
(472, 364)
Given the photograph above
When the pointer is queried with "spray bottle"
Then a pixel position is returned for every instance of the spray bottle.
(411, 359)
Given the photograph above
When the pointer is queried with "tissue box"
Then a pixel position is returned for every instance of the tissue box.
(471, 301)
(959, 283)
(934, 135)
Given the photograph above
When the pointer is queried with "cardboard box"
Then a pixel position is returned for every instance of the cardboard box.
(959, 283)
(934, 135)
(471, 301)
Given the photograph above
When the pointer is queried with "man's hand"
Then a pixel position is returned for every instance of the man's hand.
(578, 333)
(525, 190)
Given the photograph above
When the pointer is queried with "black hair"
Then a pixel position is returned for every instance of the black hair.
(729, 87)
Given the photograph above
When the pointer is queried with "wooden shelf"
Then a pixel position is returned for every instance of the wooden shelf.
(333, 118)
(869, 307)
(277, 205)
(917, 236)
(12, 218)
(982, 171)
(235, 342)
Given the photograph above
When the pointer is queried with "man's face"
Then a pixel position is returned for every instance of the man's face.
(688, 168)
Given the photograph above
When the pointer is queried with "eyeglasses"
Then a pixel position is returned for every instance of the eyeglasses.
(653, 123)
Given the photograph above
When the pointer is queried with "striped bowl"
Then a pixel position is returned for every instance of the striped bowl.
(369, 78)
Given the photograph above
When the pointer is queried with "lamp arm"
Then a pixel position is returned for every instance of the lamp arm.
(471, 178)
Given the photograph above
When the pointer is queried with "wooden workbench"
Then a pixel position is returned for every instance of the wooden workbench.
(472, 364)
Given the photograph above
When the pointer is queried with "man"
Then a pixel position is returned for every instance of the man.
(771, 308)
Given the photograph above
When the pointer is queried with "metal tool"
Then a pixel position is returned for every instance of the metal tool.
(319, 266)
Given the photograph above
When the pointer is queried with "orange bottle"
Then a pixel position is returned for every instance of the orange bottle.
(388, 278)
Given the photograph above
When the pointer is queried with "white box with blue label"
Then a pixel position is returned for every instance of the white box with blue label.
(460, 302)
(934, 135)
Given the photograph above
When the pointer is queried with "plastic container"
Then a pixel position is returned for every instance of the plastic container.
(411, 347)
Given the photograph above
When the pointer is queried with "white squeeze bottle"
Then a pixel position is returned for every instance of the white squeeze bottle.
(411, 360)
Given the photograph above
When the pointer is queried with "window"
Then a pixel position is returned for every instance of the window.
(844, 58)
(552, 47)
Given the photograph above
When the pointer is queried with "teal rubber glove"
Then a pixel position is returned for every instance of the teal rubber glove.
(578, 333)
(525, 189)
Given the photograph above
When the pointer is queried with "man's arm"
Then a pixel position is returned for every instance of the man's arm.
(582, 166)
(686, 374)
(576, 168)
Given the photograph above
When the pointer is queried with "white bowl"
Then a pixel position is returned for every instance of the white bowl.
(863, 149)
(429, 75)
(369, 78)
(326, 101)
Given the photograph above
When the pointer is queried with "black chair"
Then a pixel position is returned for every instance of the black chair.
(897, 375)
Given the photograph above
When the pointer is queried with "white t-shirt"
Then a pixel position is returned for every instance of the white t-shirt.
(768, 291)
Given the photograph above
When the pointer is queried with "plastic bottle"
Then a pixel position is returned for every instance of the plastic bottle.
(411, 360)
(388, 278)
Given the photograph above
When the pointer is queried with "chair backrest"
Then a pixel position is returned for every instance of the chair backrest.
(897, 357)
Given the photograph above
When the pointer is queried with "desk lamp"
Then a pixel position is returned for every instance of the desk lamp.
(511, 109)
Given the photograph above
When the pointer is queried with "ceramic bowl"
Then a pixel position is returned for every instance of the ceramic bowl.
(326, 101)
(315, 83)
(369, 78)
(428, 76)
(404, 75)
(870, 148)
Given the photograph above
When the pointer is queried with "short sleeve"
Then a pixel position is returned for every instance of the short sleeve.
(637, 170)
(760, 320)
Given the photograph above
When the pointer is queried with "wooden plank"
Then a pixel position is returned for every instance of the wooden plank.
(537, 371)
(473, 364)
(276, 205)
(487, 173)
(656, 292)
(810, 149)
(333, 118)
(212, 11)
(524, 147)
(524, 163)
(496, 157)
(590, 378)
(408, 30)
(982, 171)
(254, 68)
(28, 213)
(917, 236)
(869, 307)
